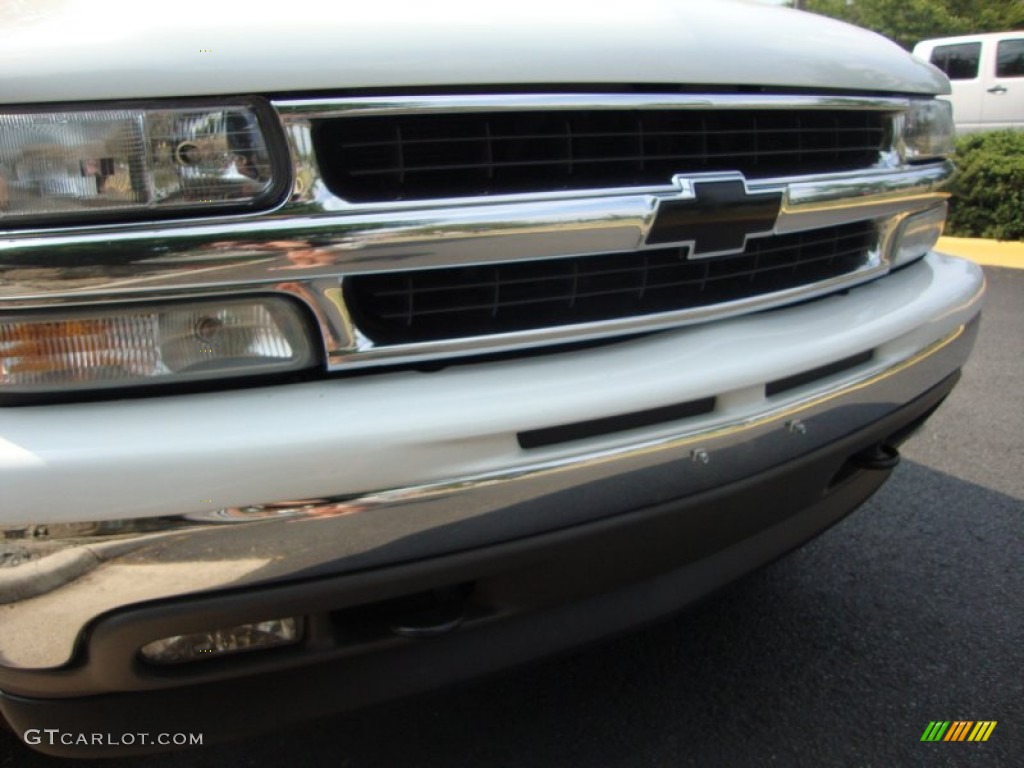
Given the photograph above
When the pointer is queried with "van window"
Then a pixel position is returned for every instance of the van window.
(959, 62)
(1010, 58)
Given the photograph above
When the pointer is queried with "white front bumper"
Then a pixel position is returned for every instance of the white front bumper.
(178, 497)
(195, 454)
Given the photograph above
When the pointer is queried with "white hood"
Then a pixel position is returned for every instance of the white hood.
(72, 50)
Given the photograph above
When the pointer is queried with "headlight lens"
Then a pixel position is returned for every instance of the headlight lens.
(153, 345)
(99, 163)
(927, 130)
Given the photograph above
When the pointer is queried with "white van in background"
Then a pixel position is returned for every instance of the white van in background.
(987, 74)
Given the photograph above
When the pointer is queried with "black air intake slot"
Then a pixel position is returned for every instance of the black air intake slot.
(580, 430)
(809, 377)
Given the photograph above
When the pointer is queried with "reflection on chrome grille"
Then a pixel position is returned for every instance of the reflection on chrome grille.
(434, 304)
(411, 157)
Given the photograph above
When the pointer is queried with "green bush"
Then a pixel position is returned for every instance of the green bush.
(988, 193)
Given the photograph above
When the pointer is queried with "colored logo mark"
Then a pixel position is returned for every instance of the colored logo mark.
(958, 730)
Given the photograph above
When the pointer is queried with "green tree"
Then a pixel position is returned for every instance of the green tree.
(910, 21)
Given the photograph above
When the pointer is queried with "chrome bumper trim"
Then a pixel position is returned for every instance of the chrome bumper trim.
(114, 564)
(513, 102)
(39, 268)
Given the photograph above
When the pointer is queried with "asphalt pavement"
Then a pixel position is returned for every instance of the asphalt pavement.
(909, 611)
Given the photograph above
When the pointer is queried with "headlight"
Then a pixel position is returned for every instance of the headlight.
(927, 130)
(83, 350)
(88, 164)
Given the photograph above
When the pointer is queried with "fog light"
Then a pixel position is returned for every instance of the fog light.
(918, 235)
(166, 343)
(223, 642)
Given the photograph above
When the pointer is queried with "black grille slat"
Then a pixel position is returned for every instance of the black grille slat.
(577, 294)
(521, 281)
(574, 295)
(638, 132)
(761, 250)
(457, 302)
(426, 156)
(580, 161)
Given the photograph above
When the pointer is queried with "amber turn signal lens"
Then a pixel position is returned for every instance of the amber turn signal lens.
(152, 345)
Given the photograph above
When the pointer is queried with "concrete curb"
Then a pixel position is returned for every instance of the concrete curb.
(45, 574)
(37, 577)
(989, 253)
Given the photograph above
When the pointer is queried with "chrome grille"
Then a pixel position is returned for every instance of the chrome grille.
(389, 158)
(436, 304)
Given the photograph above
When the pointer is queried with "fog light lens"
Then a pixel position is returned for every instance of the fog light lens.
(223, 642)
(152, 345)
(918, 235)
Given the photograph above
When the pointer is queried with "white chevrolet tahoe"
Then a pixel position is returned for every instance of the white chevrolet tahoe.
(349, 351)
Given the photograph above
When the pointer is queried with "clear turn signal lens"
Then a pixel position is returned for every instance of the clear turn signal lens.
(94, 163)
(927, 130)
(919, 234)
(152, 345)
